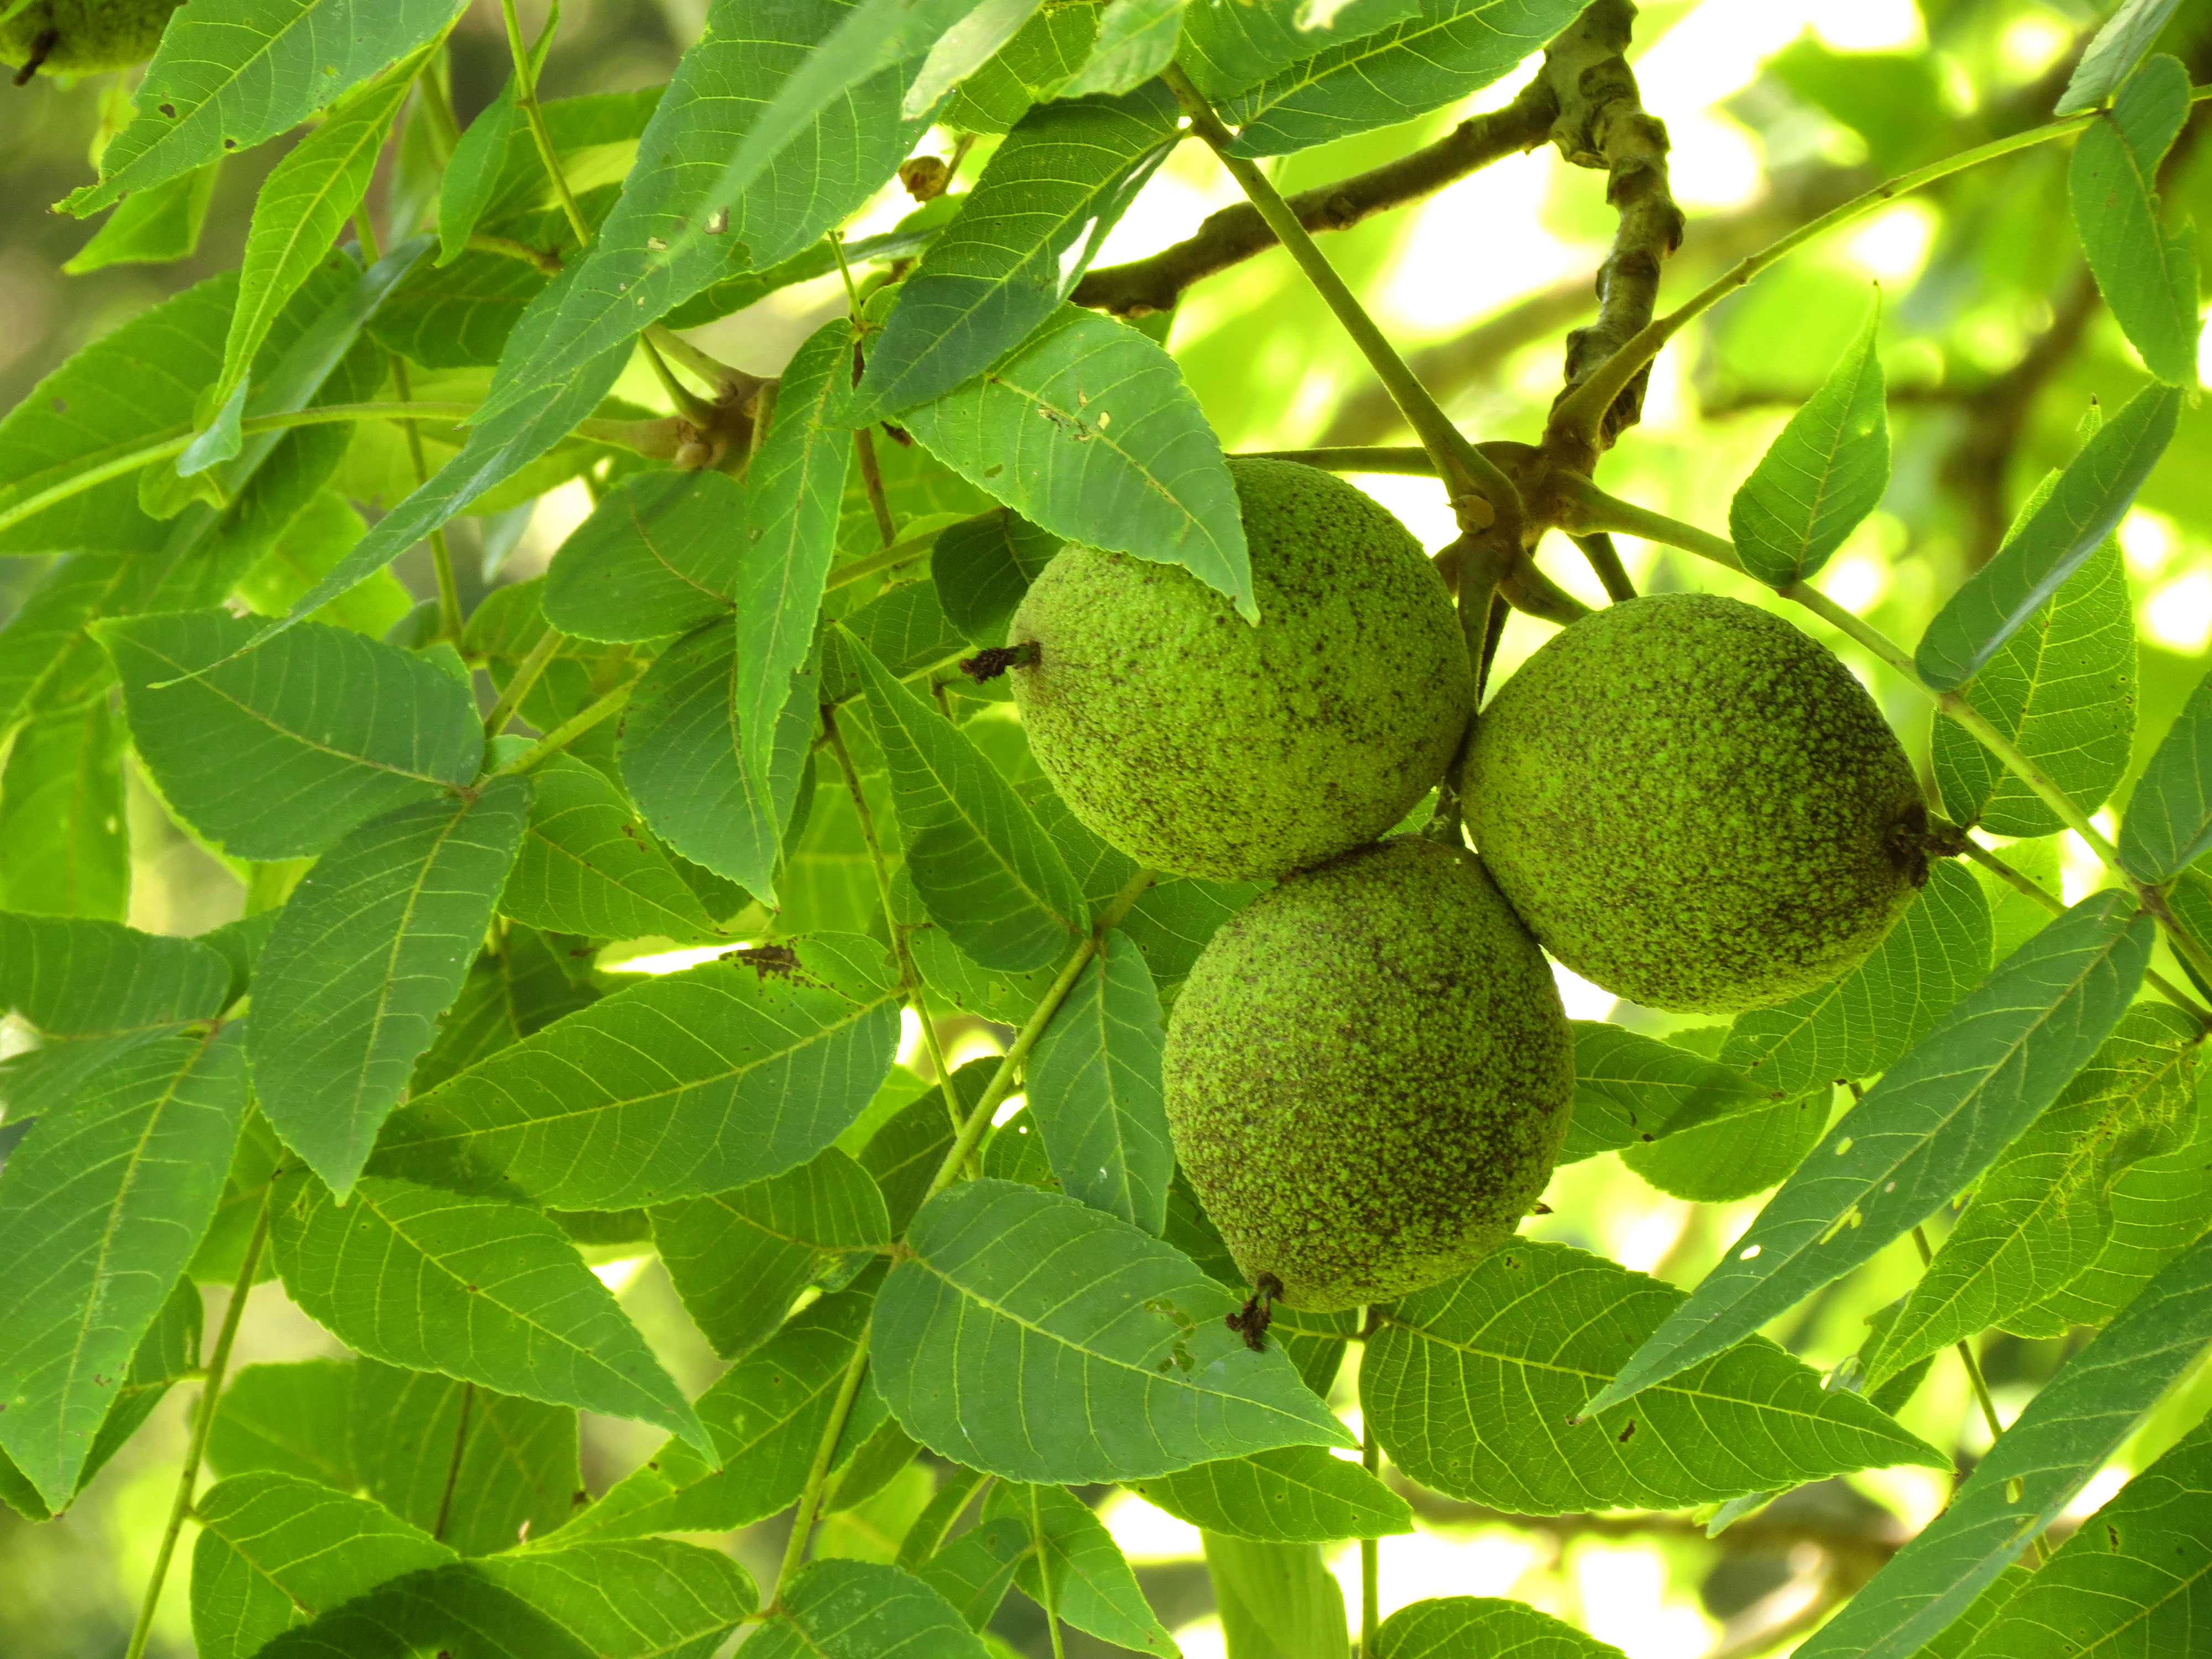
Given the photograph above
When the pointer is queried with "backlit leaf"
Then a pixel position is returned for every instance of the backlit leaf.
(276, 1549)
(1482, 1627)
(63, 848)
(1292, 1495)
(1474, 1388)
(486, 1292)
(656, 557)
(277, 753)
(1088, 431)
(294, 1419)
(1017, 1303)
(1093, 1083)
(682, 765)
(2092, 494)
(989, 876)
(1631, 1089)
(368, 952)
(1089, 1584)
(480, 1469)
(230, 73)
(2064, 1436)
(2114, 54)
(838, 1609)
(638, 1598)
(1859, 1024)
(1276, 1599)
(683, 1084)
(108, 1195)
(1045, 203)
(1938, 1117)
(2169, 822)
(2147, 277)
(785, 540)
(1821, 475)
(738, 1258)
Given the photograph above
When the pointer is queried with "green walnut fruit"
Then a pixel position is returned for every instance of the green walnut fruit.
(81, 37)
(1200, 745)
(1367, 1074)
(1695, 806)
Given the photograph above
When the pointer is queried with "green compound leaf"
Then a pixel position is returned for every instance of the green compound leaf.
(168, 1353)
(2063, 690)
(1446, 50)
(786, 538)
(2087, 504)
(274, 1550)
(1017, 1304)
(277, 753)
(738, 1259)
(1473, 1388)
(991, 877)
(368, 953)
(2067, 1433)
(1045, 203)
(1136, 39)
(2112, 56)
(1821, 475)
(683, 761)
(151, 227)
(766, 1415)
(683, 1084)
(2135, 1578)
(452, 1609)
(781, 120)
(1938, 1117)
(1091, 1586)
(1088, 431)
(472, 178)
(1292, 1495)
(2147, 277)
(486, 1292)
(303, 206)
(2043, 1213)
(231, 73)
(1482, 1627)
(2169, 822)
(1276, 1599)
(499, 445)
(656, 557)
(840, 1609)
(1093, 1083)
(1861, 1023)
(1228, 47)
(975, 1570)
(640, 1599)
(516, 1474)
(77, 977)
(586, 867)
(108, 1194)
(292, 1419)
(1631, 1089)
(981, 567)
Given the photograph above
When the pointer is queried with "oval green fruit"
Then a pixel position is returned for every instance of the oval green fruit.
(1695, 806)
(1367, 1074)
(82, 37)
(1201, 746)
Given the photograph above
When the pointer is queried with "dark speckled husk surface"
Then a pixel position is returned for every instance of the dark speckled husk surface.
(1368, 1075)
(1201, 746)
(1695, 805)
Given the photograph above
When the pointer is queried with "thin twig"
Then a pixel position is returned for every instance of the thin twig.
(525, 680)
(818, 1475)
(1482, 495)
(526, 99)
(453, 1465)
(1143, 286)
(908, 970)
(203, 1421)
(568, 730)
(1370, 1554)
(1048, 1598)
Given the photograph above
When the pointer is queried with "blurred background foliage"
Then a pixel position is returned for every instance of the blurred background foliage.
(1994, 347)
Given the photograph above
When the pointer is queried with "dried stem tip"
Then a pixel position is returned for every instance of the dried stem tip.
(995, 660)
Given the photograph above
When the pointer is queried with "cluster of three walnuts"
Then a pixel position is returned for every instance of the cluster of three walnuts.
(1368, 1071)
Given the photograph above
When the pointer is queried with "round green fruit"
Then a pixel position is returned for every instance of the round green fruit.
(1695, 806)
(1201, 746)
(81, 37)
(1367, 1074)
